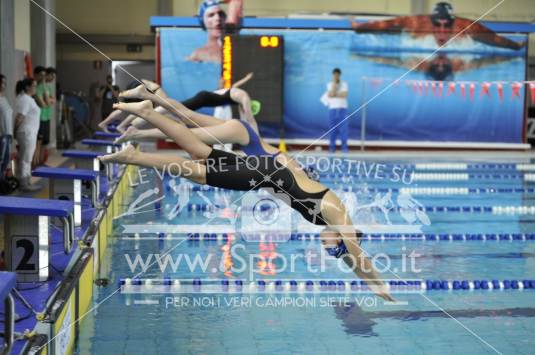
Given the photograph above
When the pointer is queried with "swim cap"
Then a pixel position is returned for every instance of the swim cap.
(255, 107)
(443, 11)
(205, 5)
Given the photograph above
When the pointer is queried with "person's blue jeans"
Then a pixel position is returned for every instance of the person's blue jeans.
(5, 153)
(337, 119)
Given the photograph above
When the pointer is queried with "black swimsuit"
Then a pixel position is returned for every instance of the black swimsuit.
(230, 171)
(208, 99)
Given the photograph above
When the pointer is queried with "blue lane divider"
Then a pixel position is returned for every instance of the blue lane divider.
(500, 210)
(376, 237)
(439, 176)
(356, 165)
(371, 190)
(225, 285)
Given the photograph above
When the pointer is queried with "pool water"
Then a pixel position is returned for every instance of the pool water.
(210, 320)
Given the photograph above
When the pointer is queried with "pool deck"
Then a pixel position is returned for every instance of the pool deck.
(38, 294)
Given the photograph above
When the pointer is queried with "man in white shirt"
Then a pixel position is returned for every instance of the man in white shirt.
(337, 104)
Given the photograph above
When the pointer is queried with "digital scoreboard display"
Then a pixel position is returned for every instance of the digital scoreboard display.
(264, 56)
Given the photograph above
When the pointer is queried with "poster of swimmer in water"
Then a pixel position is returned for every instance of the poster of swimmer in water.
(386, 49)
(442, 25)
(216, 22)
(443, 31)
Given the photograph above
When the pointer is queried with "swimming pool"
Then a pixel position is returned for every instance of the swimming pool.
(462, 222)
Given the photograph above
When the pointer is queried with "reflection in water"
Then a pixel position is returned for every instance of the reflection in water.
(227, 256)
(267, 254)
(361, 323)
(440, 67)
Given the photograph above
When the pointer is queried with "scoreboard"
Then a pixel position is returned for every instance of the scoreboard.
(264, 56)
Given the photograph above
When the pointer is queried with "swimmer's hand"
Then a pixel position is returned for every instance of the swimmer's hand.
(386, 297)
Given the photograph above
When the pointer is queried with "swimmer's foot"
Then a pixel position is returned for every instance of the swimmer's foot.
(116, 115)
(135, 108)
(104, 127)
(131, 134)
(139, 92)
(152, 87)
(124, 156)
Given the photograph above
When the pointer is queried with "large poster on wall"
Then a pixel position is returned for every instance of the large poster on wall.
(470, 90)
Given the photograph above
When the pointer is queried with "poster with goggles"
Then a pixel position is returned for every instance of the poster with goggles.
(435, 77)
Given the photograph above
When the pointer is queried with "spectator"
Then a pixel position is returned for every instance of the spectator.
(50, 81)
(26, 127)
(6, 112)
(109, 95)
(337, 103)
(43, 99)
(6, 130)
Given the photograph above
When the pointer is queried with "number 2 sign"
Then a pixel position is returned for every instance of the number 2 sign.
(25, 254)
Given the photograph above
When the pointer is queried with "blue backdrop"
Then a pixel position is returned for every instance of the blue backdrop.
(398, 113)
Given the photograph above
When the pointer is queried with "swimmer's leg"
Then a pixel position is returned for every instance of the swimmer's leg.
(126, 122)
(189, 117)
(206, 99)
(172, 164)
(231, 131)
(133, 134)
(174, 130)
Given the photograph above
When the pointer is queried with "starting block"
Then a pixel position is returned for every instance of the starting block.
(8, 281)
(67, 184)
(26, 224)
(101, 145)
(106, 135)
(84, 159)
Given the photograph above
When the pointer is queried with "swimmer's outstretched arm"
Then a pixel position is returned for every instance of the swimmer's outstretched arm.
(485, 35)
(392, 25)
(357, 260)
(341, 229)
(234, 12)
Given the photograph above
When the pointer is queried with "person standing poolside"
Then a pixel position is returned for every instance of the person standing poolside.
(7, 123)
(27, 113)
(43, 98)
(337, 103)
(6, 112)
(108, 95)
